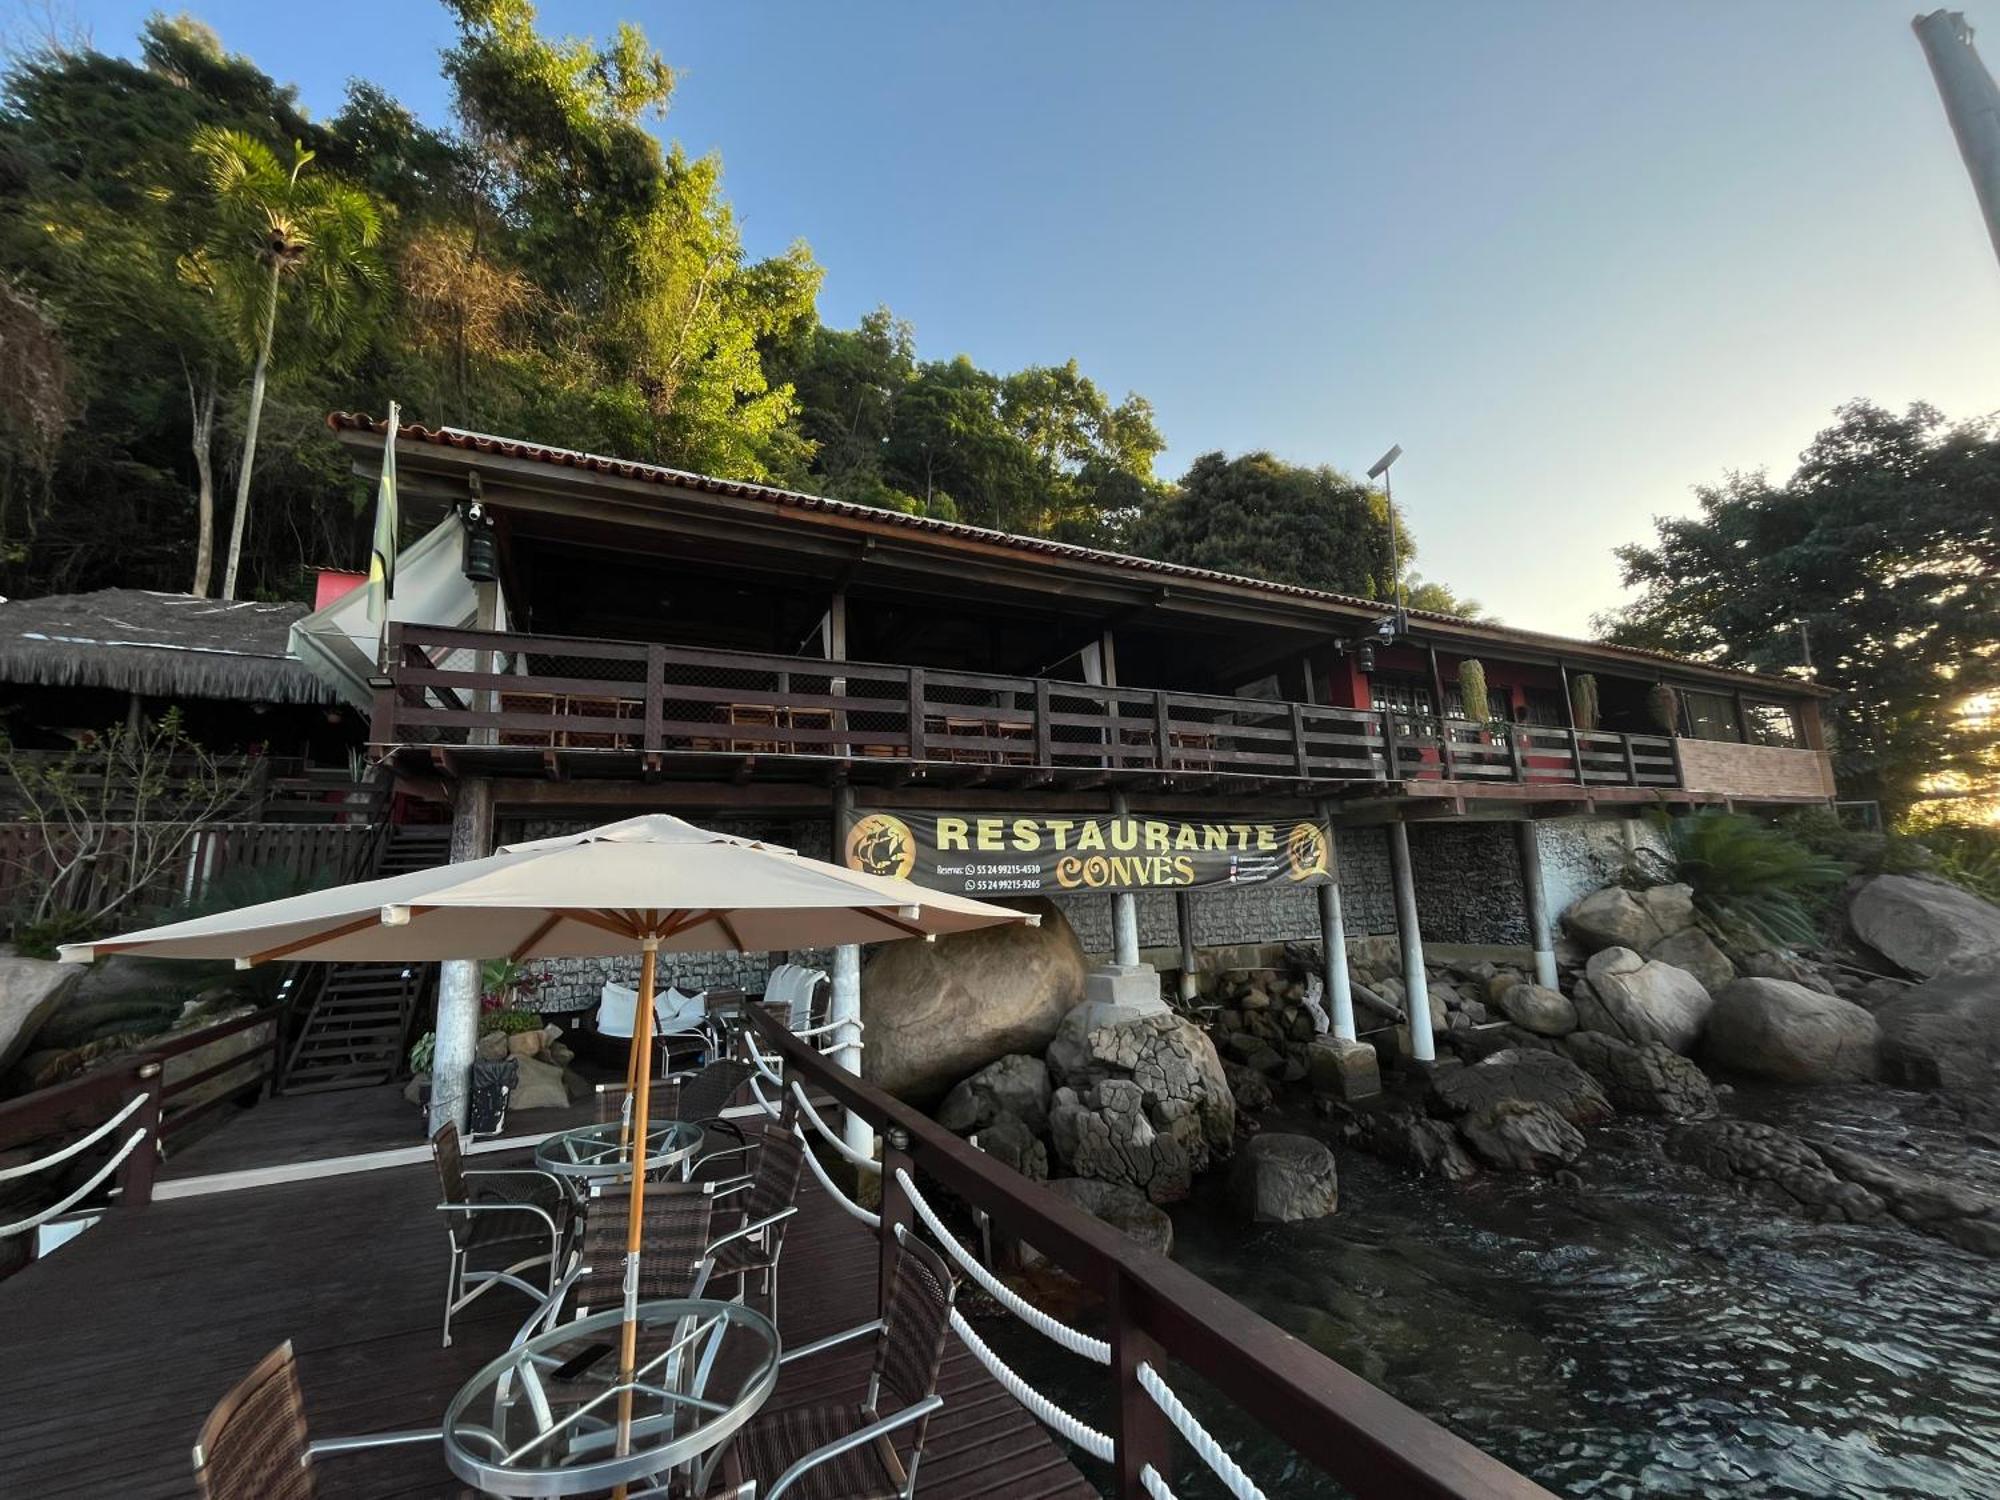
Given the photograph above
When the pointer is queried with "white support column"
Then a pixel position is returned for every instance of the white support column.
(458, 979)
(1333, 948)
(1416, 989)
(844, 1003)
(1540, 936)
(1125, 984)
(1124, 904)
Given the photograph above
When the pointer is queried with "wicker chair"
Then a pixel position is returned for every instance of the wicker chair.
(673, 1252)
(254, 1445)
(845, 1451)
(753, 1246)
(494, 1217)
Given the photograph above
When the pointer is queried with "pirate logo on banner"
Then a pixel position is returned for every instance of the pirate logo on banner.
(881, 844)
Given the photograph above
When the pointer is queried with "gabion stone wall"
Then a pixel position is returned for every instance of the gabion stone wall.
(573, 984)
(1468, 879)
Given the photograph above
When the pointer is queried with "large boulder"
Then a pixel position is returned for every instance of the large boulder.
(30, 991)
(1772, 1028)
(1125, 1209)
(936, 1012)
(1428, 1147)
(1522, 1135)
(1537, 1008)
(1521, 1074)
(1619, 918)
(1774, 1166)
(1016, 1085)
(1644, 1078)
(1642, 1000)
(1612, 918)
(1944, 1034)
(1012, 1144)
(1952, 1211)
(1171, 1060)
(1695, 951)
(1280, 1179)
(1111, 1135)
(1926, 926)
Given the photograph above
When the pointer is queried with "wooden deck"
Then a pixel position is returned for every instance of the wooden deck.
(118, 1344)
(292, 1130)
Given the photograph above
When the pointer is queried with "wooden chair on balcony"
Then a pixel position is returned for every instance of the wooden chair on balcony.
(755, 716)
(526, 705)
(595, 706)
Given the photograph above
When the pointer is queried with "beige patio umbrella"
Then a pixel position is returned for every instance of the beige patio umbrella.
(646, 885)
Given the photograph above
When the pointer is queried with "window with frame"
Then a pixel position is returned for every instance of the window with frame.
(1773, 724)
(1710, 716)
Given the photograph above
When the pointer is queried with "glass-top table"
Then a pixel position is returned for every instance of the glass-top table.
(544, 1418)
(593, 1156)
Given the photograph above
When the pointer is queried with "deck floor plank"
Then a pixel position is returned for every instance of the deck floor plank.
(118, 1344)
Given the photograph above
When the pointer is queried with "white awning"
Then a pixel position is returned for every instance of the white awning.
(338, 642)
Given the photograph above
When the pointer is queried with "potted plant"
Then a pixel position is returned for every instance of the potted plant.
(1664, 706)
(1583, 700)
(422, 1056)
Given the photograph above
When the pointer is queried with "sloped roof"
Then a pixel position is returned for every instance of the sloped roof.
(158, 645)
(949, 532)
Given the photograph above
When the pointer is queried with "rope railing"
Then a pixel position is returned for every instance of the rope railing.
(80, 1144)
(1050, 1328)
(1198, 1437)
(1154, 1485)
(97, 1178)
(1045, 1411)
(872, 1220)
(827, 1133)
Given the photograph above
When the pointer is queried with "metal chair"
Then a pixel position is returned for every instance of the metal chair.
(838, 1451)
(674, 1256)
(255, 1446)
(771, 1198)
(497, 1214)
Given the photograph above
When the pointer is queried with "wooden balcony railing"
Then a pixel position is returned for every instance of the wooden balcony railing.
(555, 694)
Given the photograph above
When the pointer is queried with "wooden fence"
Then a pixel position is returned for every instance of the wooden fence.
(33, 854)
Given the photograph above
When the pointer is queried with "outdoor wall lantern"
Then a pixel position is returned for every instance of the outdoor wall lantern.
(1364, 658)
(481, 563)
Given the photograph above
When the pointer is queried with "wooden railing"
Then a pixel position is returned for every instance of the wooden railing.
(51, 1119)
(1160, 1314)
(558, 694)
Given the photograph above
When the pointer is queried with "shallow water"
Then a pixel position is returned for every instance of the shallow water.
(1649, 1334)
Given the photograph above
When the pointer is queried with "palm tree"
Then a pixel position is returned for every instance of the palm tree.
(277, 226)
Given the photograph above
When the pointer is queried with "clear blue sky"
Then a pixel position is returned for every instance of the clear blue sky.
(1574, 257)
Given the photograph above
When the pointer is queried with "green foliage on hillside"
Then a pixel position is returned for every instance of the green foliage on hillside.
(545, 266)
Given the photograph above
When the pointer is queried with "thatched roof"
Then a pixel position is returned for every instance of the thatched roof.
(157, 645)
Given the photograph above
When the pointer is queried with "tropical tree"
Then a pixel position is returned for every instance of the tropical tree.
(1264, 518)
(276, 226)
(1881, 557)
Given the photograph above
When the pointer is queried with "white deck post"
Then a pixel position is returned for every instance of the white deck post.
(1540, 936)
(844, 1003)
(1416, 989)
(458, 978)
(1333, 947)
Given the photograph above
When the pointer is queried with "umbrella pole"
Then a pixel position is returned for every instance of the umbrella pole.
(635, 1222)
(638, 1048)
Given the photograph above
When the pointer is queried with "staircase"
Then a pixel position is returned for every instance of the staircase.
(358, 1029)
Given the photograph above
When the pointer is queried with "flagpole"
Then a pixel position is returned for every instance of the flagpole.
(382, 547)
